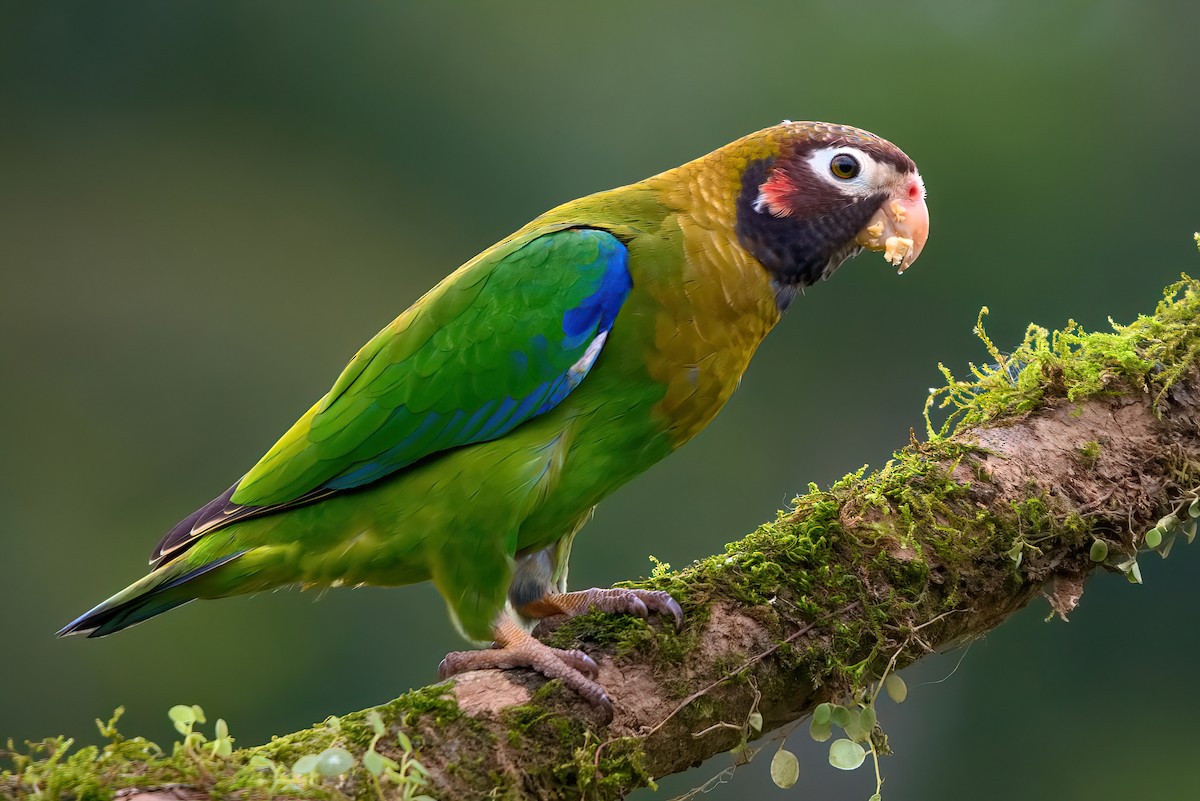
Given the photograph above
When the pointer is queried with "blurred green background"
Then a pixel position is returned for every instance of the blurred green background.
(206, 207)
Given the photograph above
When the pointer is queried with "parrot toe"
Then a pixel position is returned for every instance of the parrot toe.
(556, 608)
(579, 660)
(515, 648)
(662, 602)
(516, 656)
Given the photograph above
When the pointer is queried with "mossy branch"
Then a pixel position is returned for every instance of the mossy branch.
(1055, 463)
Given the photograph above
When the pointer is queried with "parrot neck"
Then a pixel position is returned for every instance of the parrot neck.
(796, 252)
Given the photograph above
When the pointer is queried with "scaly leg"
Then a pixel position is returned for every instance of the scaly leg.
(515, 647)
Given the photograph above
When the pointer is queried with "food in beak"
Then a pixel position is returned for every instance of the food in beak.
(899, 228)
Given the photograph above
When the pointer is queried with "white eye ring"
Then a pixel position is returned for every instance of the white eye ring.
(866, 178)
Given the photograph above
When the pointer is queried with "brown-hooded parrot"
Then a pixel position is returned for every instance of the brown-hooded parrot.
(469, 441)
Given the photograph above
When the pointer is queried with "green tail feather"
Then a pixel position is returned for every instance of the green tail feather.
(162, 590)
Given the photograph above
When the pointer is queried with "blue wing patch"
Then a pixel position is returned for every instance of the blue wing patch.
(585, 328)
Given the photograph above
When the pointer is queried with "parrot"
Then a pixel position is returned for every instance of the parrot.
(470, 440)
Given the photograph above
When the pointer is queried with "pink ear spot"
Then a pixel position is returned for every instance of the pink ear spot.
(914, 191)
(778, 194)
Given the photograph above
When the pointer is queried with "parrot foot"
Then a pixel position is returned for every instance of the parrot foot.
(516, 648)
(556, 608)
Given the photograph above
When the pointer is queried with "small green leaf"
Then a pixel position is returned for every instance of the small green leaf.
(222, 747)
(846, 754)
(375, 722)
(373, 762)
(755, 720)
(1134, 574)
(1194, 509)
(181, 714)
(404, 743)
(897, 690)
(1154, 537)
(785, 768)
(1099, 551)
(1168, 543)
(388, 763)
(854, 728)
(305, 765)
(867, 719)
(821, 713)
(1167, 523)
(839, 716)
(1189, 531)
(221, 729)
(876, 797)
(819, 731)
(1014, 553)
(260, 761)
(334, 761)
(199, 713)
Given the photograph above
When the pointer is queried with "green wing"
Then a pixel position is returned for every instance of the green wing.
(502, 340)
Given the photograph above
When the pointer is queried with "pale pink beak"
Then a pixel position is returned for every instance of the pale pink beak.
(901, 225)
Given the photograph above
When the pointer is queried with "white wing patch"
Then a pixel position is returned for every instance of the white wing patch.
(580, 368)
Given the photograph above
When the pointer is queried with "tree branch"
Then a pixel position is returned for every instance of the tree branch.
(1074, 439)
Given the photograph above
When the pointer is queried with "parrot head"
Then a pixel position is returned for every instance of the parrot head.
(823, 193)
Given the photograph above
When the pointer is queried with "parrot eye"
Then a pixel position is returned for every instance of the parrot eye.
(844, 166)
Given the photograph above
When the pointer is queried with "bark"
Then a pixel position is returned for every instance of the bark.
(941, 545)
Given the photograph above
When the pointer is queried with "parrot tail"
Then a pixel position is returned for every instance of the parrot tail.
(162, 590)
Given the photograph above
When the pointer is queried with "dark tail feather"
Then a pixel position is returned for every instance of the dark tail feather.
(182, 535)
(162, 590)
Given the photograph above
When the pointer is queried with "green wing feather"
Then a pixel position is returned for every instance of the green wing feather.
(503, 339)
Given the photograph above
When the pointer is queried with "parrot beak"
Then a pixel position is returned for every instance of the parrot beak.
(901, 225)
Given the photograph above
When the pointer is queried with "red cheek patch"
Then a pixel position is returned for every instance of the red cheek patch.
(779, 192)
(792, 191)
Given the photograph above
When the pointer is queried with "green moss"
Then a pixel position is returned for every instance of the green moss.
(49, 769)
(621, 768)
(530, 724)
(535, 730)
(621, 634)
(435, 703)
(53, 770)
(1151, 354)
(1089, 454)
